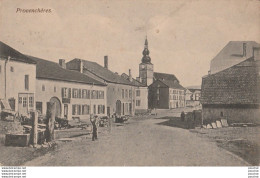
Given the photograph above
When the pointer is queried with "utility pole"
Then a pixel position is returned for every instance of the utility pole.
(6, 61)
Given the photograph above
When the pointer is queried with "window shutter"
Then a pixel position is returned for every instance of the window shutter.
(79, 93)
(62, 92)
(69, 93)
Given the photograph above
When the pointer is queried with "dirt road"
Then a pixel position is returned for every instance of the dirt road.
(140, 143)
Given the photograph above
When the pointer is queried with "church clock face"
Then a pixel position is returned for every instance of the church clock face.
(142, 66)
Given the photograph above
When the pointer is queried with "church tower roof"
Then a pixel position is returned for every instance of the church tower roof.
(146, 58)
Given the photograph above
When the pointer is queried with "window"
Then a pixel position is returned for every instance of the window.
(94, 94)
(85, 109)
(126, 93)
(101, 109)
(74, 109)
(130, 93)
(43, 87)
(138, 102)
(54, 89)
(12, 69)
(94, 109)
(88, 94)
(24, 102)
(84, 93)
(78, 109)
(137, 92)
(39, 106)
(123, 93)
(26, 82)
(64, 93)
(126, 107)
(79, 93)
(31, 101)
(20, 100)
(75, 93)
(101, 94)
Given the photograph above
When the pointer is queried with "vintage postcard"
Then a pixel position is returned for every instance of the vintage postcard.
(129, 83)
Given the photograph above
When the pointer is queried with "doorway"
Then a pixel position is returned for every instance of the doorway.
(58, 106)
(118, 107)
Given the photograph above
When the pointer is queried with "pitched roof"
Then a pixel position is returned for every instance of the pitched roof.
(164, 76)
(135, 82)
(15, 55)
(232, 54)
(50, 70)
(172, 84)
(103, 73)
(239, 84)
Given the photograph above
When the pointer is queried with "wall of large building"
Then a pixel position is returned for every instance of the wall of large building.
(176, 98)
(15, 83)
(52, 89)
(232, 114)
(125, 94)
(141, 100)
(158, 97)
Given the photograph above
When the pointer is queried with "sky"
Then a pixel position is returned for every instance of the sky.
(183, 36)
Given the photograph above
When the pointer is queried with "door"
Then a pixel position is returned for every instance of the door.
(118, 107)
(58, 106)
(23, 104)
(66, 111)
(108, 111)
(130, 108)
(123, 108)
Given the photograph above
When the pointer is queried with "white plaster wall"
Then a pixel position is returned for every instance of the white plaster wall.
(45, 96)
(143, 98)
(15, 80)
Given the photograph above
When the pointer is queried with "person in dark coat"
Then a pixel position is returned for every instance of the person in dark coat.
(182, 116)
(93, 120)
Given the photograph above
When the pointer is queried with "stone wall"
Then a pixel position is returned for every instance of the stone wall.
(232, 114)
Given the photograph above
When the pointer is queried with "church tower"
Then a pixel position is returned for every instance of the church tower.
(146, 67)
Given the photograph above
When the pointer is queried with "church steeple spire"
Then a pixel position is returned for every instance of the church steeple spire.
(146, 58)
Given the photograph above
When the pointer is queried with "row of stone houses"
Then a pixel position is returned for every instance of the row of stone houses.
(78, 88)
(81, 87)
(231, 90)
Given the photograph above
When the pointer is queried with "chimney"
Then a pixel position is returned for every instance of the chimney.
(62, 63)
(209, 72)
(80, 66)
(244, 49)
(106, 62)
(256, 52)
(130, 76)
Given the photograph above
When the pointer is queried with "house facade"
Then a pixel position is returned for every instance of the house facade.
(76, 95)
(17, 80)
(166, 95)
(120, 91)
(233, 93)
(233, 53)
(164, 90)
(192, 97)
(141, 94)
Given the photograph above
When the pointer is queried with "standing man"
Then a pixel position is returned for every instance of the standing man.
(93, 120)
